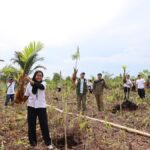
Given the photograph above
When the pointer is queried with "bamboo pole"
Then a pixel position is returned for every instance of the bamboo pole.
(130, 130)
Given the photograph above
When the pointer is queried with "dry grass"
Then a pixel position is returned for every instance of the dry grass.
(81, 133)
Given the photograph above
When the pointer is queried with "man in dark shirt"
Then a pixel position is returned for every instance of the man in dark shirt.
(98, 90)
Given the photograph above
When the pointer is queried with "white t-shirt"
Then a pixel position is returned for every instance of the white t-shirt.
(128, 83)
(38, 100)
(10, 88)
(82, 86)
(140, 83)
(90, 84)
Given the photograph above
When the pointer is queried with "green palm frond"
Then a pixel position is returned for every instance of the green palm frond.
(124, 68)
(28, 57)
(76, 56)
(18, 59)
(32, 48)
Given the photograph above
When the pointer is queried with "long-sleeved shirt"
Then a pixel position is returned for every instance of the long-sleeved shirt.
(98, 86)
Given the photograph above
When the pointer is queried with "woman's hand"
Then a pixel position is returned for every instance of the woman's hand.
(27, 78)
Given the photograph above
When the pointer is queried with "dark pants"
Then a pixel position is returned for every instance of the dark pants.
(81, 100)
(8, 98)
(99, 101)
(126, 93)
(41, 113)
(141, 93)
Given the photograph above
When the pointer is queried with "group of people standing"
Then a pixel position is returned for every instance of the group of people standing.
(82, 88)
(36, 99)
(139, 85)
(97, 88)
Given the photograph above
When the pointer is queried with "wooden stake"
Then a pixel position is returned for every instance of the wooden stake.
(130, 130)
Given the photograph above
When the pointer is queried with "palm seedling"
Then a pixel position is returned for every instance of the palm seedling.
(26, 60)
(124, 73)
(76, 57)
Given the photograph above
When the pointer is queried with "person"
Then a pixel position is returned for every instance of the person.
(90, 86)
(98, 90)
(10, 91)
(148, 82)
(140, 83)
(127, 87)
(81, 90)
(35, 92)
(134, 85)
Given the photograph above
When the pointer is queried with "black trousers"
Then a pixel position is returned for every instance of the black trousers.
(41, 113)
(126, 93)
(141, 93)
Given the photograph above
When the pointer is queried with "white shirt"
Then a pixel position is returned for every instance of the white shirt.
(128, 83)
(90, 84)
(10, 88)
(38, 100)
(140, 83)
(82, 86)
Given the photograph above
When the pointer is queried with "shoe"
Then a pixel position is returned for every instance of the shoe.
(33, 144)
(50, 147)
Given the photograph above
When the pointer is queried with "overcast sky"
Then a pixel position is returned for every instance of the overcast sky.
(110, 33)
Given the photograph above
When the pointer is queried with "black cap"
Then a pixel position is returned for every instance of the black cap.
(83, 73)
(99, 74)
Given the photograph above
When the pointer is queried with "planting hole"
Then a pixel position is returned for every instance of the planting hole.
(72, 141)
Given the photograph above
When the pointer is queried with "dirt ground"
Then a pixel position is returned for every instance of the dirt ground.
(82, 134)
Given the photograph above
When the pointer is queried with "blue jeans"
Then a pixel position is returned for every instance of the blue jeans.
(9, 97)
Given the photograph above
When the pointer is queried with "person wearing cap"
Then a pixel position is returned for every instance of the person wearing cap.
(98, 90)
(127, 87)
(10, 91)
(81, 90)
(140, 84)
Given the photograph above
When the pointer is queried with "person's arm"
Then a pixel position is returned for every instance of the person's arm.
(39, 86)
(130, 83)
(94, 86)
(136, 83)
(144, 83)
(105, 85)
(36, 84)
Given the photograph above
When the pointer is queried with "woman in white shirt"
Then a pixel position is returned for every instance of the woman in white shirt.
(127, 87)
(35, 92)
(140, 83)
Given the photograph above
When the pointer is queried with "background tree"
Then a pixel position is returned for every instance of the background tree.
(10, 71)
(145, 73)
(56, 78)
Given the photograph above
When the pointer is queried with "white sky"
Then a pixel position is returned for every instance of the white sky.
(63, 24)
(54, 22)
